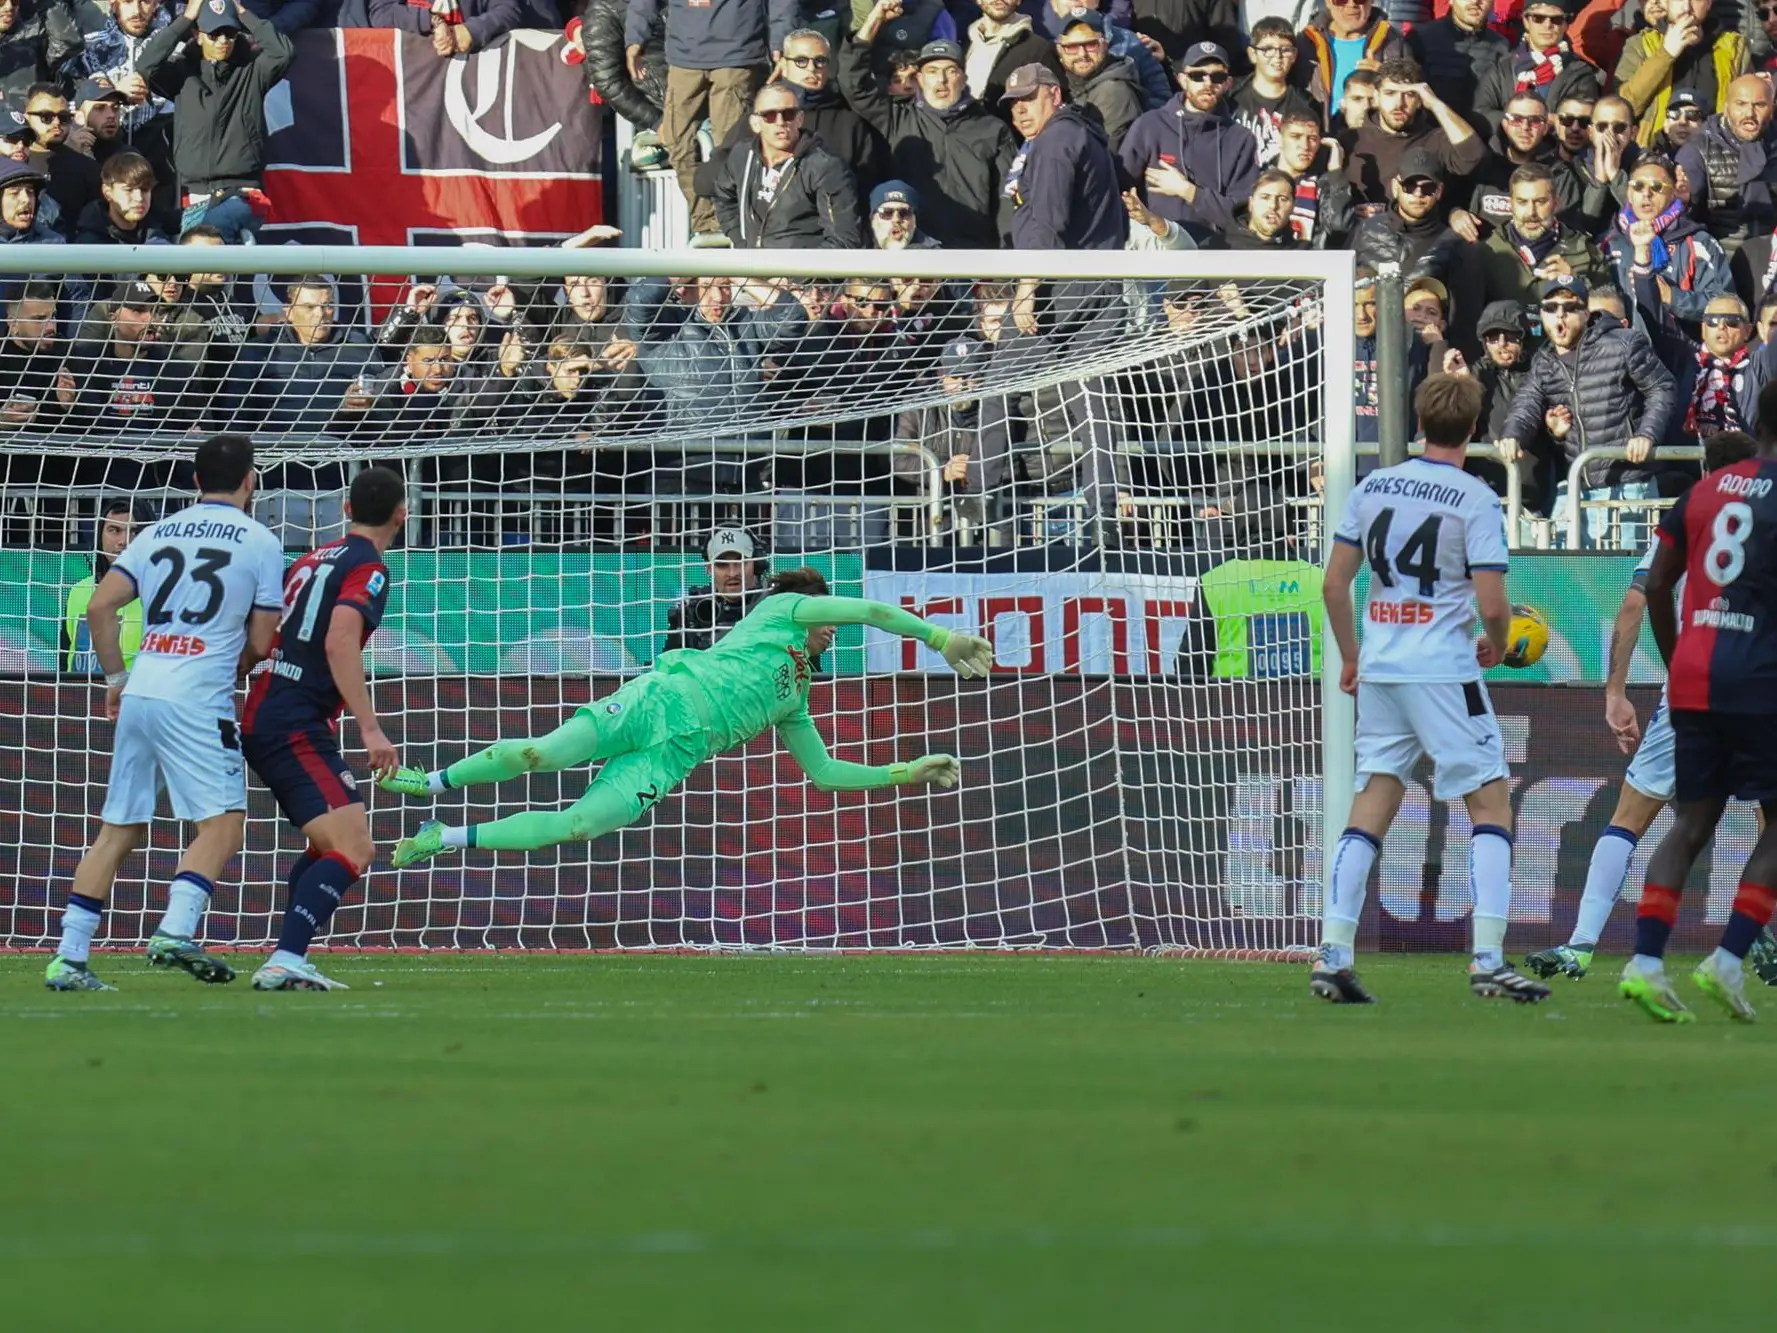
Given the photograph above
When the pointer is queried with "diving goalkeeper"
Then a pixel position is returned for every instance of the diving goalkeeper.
(695, 704)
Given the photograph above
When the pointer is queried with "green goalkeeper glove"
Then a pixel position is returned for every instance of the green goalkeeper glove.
(934, 770)
(969, 655)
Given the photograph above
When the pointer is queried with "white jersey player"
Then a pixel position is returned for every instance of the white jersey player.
(1434, 541)
(1652, 777)
(210, 580)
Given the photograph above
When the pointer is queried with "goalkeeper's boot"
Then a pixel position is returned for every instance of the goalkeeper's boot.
(1654, 993)
(407, 781)
(1562, 961)
(422, 846)
(177, 951)
(1763, 957)
(1336, 985)
(303, 976)
(63, 975)
(1725, 988)
(1504, 982)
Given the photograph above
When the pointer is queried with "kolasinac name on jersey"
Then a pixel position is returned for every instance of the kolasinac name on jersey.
(1424, 528)
(200, 575)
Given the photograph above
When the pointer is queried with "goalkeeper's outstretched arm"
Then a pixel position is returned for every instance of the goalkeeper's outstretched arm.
(803, 740)
(968, 654)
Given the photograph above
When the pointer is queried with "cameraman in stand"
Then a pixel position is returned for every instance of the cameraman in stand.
(706, 613)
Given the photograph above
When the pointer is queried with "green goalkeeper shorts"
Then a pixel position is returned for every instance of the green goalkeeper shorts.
(650, 737)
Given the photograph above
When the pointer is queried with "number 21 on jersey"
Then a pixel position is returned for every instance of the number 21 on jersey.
(303, 597)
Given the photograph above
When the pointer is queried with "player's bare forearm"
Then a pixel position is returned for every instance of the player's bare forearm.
(1495, 606)
(345, 659)
(1623, 634)
(115, 591)
(1662, 614)
(1335, 592)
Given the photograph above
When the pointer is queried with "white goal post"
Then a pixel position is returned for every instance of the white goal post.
(1064, 473)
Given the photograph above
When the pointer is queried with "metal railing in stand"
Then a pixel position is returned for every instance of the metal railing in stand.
(1675, 453)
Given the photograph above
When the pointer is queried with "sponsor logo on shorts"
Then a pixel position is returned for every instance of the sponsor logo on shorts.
(1400, 613)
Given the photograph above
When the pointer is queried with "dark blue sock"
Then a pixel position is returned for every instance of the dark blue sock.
(297, 871)
(313, 899)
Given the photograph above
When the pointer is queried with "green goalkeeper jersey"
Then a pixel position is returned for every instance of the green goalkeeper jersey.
(756, 677)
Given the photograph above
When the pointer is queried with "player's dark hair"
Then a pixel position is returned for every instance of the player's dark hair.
(222, 464)
(810, 582)
(377, 492)
(1448, 407)
(1727, 448)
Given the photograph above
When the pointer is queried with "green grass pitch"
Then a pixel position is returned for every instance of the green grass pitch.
(500, 1142)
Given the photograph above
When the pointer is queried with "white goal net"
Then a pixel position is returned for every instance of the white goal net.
(1119, 476)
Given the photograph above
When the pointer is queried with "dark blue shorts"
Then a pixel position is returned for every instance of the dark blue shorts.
(304, 770)
(1719, 755)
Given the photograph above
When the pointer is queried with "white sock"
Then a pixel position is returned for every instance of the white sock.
(435, 782)
(454, 837)
(1728, 967)
(1490, 879)
(80, 922)
(1648, 964)
(187, 897)
(1611, 855)
(284, 958)
(1347, 882)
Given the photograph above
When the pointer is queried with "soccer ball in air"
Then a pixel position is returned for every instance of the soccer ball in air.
(1527, 637)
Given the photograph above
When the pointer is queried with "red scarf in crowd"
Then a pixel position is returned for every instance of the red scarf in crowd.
(1533, 68)
(1305, 212)
(1712, 408)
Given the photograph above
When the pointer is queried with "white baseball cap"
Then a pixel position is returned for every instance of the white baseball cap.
(729, 542)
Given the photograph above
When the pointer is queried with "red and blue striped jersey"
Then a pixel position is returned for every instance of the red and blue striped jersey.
(297, 689)
(1726, 528)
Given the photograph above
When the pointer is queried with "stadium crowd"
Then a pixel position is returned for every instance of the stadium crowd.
(1581, 202)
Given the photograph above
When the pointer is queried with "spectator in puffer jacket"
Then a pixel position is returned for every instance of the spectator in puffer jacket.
(782, 189)
(1543, 64)
(715, 55)
(949, 147)
(1716, 382)
(999, 42)
(1670, 263)
(1342, 38)
(1458, 52)
(807, 66)
(1728, 175)
(1411, 231)
(1409, 115)
(1597, 384)
(37, 37)
(1191, 161)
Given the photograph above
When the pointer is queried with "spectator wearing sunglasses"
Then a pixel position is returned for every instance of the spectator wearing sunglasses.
(1525, 136)
(1123, 44)
(1573, 125)
(1409, 115)
(1543, 64)
(807, 66)
(1602, 170)
(73, 177)
(1594, 384)
(1457, 52)
(1685, 115)
(1102, 86)
(1503, 367)
(1411, 231)
(1347, 35)
(1672, 266)
(1192, 163)
(1728, 172)
(1716, 380)
(782, 189)
(1689, 51)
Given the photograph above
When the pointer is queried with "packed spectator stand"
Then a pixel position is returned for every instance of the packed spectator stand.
(1580, 202)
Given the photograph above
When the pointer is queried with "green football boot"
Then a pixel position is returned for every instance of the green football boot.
(1654, 994)
(63, 975)
(177, 951)
(407, 781)
(1562, 961)
(1724, 990)
(422, 846)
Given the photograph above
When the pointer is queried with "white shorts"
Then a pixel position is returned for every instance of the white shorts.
(1451, 722)
(1654, 770)
(191, 754)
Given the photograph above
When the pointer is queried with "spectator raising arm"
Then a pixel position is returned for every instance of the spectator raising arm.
(484, 20)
